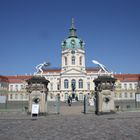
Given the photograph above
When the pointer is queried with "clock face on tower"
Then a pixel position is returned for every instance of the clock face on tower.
(73, 42)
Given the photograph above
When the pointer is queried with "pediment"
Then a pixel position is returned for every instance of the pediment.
(73, 71)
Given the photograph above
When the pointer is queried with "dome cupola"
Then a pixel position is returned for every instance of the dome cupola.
(73, 42)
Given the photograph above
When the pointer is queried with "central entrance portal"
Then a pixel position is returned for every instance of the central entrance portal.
(73, 95)
(73, 85)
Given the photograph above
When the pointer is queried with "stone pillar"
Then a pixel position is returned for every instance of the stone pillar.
(104, 94)
(38, 91)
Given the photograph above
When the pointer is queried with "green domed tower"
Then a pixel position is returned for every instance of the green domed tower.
(73, 51)
(72, 42)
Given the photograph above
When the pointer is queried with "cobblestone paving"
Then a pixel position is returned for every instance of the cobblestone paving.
(71, 126)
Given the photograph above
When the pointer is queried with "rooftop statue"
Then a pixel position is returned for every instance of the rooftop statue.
(101, 66)
(41, 66)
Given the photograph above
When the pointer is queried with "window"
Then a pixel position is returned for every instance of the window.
(120, 95)
(88, 86)
(125, 95)
(16, 87)
(65, 60)
(11, 87)
(130, 86)
(11, 96)
(135, 85)
(125, 86)
(80, 83)
(88, 78)
(73, 60)
(80, 60)
(58, 87)
(73, 84)
(66, 96)
(66, 84)
(119, 85)
(131, 95)
(81, 96)
(21, 86)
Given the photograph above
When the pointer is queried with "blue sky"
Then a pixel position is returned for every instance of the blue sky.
(31, 32)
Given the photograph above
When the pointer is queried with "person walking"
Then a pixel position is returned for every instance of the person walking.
(69, 101)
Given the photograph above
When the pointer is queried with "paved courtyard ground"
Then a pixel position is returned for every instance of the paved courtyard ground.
(70, 124)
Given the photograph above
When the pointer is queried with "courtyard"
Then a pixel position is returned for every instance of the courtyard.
(70, 124)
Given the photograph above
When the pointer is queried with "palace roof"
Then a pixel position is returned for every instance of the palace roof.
(127, 77)
(18, 78)
(3, 79)
(22, 78)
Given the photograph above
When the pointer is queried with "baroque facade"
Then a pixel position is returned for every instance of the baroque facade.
(73, 78)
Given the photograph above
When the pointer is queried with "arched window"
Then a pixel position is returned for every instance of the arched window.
(80, 60)
(80, 83)
(65, 60)
(73, 60)
(66, 83)
(73, 84)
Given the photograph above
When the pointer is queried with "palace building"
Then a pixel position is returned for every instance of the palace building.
(73, 78)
